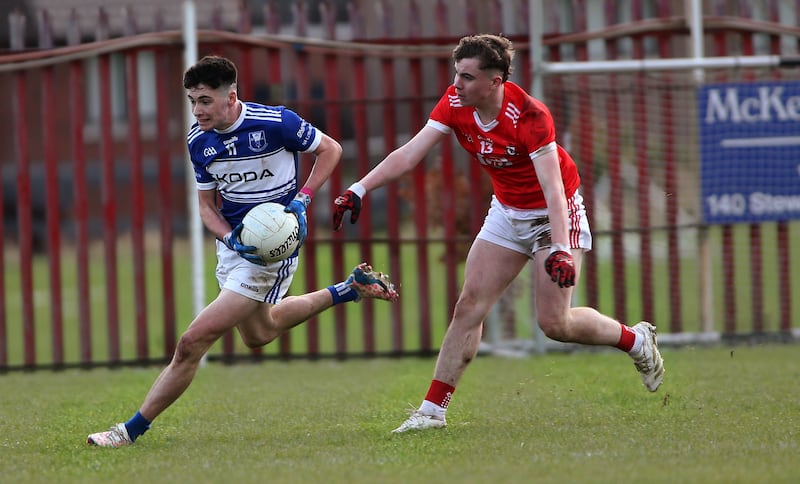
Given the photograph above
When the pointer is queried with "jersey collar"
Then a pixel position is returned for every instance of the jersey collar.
(238, 121)
(485, 127)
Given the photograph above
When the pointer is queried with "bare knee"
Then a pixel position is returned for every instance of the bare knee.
(190, 349)
(259, 335)
(262, 330)
(469, 311)
(555, 328)
(259, 340)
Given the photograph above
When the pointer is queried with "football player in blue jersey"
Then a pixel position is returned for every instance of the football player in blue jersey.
(244, 154)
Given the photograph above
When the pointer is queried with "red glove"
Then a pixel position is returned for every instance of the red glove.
(344, 202)
(561, 267)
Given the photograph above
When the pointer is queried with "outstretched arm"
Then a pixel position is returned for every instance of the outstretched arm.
(402, 160)
(397, 163)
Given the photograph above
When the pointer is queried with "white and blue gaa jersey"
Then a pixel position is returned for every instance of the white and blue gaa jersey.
(254, 160)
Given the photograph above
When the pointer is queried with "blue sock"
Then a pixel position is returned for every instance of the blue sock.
(342, 293)
(136, 426)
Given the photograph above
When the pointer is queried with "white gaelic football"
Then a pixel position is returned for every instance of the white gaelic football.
(271, 230)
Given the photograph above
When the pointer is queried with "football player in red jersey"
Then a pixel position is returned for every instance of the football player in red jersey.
(536, 213)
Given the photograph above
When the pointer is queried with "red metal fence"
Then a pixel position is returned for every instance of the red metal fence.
(94, 194)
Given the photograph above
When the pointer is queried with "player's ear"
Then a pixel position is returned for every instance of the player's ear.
(232, 94)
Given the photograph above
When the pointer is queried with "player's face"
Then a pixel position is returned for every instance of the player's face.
(213, 108)
(474, 86)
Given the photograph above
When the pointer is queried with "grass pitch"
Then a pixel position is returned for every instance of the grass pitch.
(723, 415)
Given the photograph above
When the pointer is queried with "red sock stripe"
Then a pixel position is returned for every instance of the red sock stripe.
(626, 339)
(440, 393)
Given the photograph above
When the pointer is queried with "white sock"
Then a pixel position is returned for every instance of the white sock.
(430, 408)
(637, 343)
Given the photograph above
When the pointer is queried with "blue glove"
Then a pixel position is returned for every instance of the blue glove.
(298, 208)
(233, 241)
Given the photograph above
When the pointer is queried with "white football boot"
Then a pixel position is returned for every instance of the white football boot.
(648, 360)
(419, 421)
(116, 436)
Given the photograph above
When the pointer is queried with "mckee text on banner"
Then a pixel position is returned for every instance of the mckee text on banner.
(750, 151)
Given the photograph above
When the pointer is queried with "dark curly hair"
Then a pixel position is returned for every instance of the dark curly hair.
(213, 71)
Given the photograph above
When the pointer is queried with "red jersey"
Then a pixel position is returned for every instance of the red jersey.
(507, 146)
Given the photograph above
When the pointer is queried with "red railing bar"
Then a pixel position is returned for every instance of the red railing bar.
(417, 120)
(25, 223)
(109, 208)
(134, 140)
(163, 87)
(53, 219)
(365, 225)
(81, 190)
(447, 199)
(333, 121)
(393, 214)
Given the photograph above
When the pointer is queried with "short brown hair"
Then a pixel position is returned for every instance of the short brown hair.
(494, 52)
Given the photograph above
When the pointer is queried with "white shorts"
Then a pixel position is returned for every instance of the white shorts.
(527, 231)
(263, 283)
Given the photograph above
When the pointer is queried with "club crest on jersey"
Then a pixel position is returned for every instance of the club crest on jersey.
(258, 140)
(511, 151)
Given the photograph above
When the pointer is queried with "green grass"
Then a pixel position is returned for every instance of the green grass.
(723, 415)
